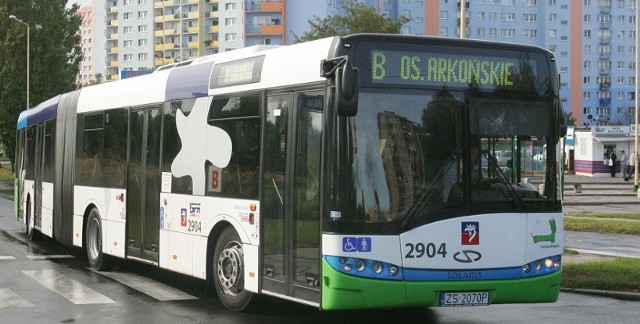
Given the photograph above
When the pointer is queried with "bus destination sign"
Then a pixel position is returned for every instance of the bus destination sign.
(439, 69)
(237, 72)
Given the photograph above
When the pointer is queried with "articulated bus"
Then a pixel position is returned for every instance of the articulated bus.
(344, 173)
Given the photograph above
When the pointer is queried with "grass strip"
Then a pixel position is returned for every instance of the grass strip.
(620, 274)
(635, 216)
(601, 226)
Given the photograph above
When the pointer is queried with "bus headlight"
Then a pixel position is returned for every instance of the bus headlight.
(360, 265)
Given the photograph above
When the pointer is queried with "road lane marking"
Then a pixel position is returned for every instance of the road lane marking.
(148, 286)
(8, 299)
(68, 288)
(7, 257)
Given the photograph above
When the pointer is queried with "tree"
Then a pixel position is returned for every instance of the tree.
(55, 56)
(571, 120)
(358, 18)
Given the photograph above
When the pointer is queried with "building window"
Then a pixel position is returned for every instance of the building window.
(230, 6)
(508, 17)
(444, 31)
(128, 15)
(142, 57)
(587, 33)
(586, 65)
(480, 32)
(128, 57)
(586, 95)
(529, 17)
(530, 33)
(142, 14)
(620, 80)
(586, 80)
(586, 19)
(230, 21)
(444, 15)
(128, 29)
(553, 17)
(142, 42)
(230, 37)
(507, 33)
(493, 32)
(128, 43)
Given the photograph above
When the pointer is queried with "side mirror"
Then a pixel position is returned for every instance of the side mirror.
(347, 90)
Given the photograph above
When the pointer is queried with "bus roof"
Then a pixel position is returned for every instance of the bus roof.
(43, 111)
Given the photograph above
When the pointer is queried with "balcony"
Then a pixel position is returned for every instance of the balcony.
(164, 61)
(214, 29)
(193, 44)
(193, 15)
(158, 33)
(193, 29)
(158, 4)
(113, 9)
(113, 23)
(113, 37)
(605, 25)
(113, 64)
(605, 40)
(168, 3)
(113, 50)
(114, 77)
(213, 14)
(270, 6)
(212, 43)
(161, 47)
(272, 30)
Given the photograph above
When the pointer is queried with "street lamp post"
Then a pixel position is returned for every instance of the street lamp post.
(24, 23)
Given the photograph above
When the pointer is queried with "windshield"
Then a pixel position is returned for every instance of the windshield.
(411, 157)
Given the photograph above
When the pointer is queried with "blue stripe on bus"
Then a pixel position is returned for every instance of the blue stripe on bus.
(191, 81)
(42, 112)
(22, 120)
(454, 275)
(349, 266)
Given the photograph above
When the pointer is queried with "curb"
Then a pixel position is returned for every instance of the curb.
(604, 293)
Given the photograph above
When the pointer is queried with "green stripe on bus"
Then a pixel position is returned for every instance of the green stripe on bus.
(342, 291)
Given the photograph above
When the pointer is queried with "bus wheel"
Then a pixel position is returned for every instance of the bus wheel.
(228, 271)
(93, 235)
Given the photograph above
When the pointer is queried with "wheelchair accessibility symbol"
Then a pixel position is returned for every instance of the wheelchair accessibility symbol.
(356, 244)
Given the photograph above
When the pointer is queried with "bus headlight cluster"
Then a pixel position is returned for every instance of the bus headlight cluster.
(542, 266)
(365, 268)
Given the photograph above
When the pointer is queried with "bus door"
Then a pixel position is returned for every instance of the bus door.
(143, 184)
(38, 171)
(291, 196)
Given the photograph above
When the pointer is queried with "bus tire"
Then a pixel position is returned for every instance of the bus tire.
(93, 243)
(228, 271)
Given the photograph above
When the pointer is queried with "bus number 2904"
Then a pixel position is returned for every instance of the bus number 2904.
(194, 226)
(419, 250)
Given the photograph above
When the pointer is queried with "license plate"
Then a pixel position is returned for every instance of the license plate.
(468, 298)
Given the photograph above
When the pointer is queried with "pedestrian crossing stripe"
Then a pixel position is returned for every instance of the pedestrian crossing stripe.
(8, 299)
(148, 286)
(68, 288)
(49, 257)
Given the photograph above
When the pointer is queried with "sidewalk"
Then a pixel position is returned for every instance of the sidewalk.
(602, 194)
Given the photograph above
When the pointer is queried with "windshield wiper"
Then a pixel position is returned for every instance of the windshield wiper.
(493, 165)
(427, 193)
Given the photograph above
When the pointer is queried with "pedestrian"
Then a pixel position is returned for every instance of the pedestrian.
(612, 163)
(624, 159)
(631, 165)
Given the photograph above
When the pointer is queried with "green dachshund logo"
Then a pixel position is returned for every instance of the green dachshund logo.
(549, 237)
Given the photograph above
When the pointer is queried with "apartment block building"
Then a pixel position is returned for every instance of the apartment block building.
(87, 68)
(594, 40)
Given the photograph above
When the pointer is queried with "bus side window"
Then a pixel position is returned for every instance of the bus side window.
(238, 117)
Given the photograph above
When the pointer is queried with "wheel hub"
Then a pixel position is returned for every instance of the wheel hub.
(230, 270)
